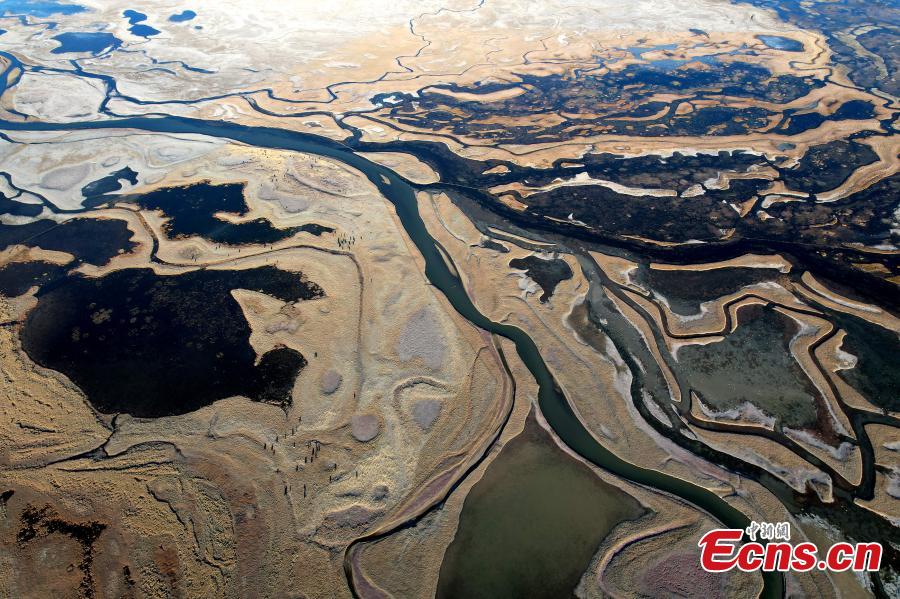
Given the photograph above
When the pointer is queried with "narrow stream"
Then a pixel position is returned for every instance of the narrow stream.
(552, 401)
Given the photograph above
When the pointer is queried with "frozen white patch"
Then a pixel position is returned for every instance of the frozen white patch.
(841, 452)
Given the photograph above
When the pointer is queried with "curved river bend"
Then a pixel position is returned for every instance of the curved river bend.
(401, 194)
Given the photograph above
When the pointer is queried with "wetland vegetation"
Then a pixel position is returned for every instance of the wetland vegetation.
(740, 156)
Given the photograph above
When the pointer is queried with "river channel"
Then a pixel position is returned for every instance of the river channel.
(401, 193)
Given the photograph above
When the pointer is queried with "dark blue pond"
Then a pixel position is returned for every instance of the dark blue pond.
(134, 18)
(11, 206)
(143, 30)
(95, 42)
(92, 240)
(781, 43)
(670, 64)
(185, 15)
(154, 345)
(38, 8)
(110, 183)
(192, 210)
(854, 110)
(638, 51)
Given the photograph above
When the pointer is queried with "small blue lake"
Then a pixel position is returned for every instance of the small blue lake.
(134, 16)
(143, 30)
(638, 51)
(93, 42)
(185, 15)
(134, 19)
(781, 43)
(38, 8)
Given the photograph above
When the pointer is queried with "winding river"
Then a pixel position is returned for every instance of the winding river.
(401, 193)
